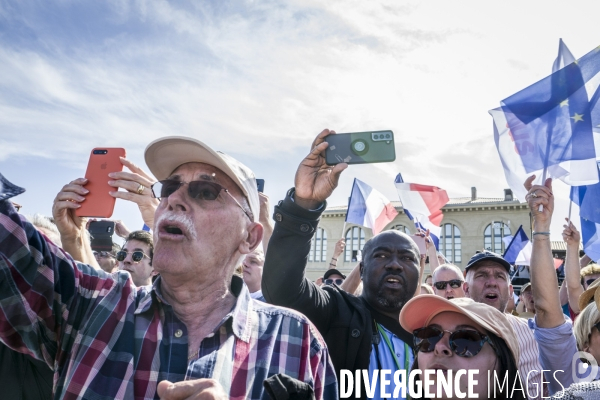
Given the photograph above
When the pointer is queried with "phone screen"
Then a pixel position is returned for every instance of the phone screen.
(260, 184)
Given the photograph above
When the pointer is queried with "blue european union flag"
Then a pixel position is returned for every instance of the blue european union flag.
(587, 197)
(551, 122)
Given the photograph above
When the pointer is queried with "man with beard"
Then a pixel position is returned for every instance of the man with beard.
(362, 333)
(488, 281)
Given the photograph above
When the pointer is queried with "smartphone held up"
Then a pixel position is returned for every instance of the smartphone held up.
(98, 202)
(360, 147)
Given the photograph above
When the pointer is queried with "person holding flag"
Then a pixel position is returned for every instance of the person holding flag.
(362, 333)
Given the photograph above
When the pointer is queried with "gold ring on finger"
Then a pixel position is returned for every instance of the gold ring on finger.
(140, 189)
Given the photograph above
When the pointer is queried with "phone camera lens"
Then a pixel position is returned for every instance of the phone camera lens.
(388, 136)
(376, 137)
(359, 146)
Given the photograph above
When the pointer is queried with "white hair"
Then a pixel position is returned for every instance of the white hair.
(46, 226)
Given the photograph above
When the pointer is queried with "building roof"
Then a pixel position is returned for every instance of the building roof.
(559, 245)
(457, 201)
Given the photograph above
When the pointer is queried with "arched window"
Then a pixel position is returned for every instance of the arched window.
(318, 246)
(451, 244)
(493, 235)
(400, 228)
(355, 240)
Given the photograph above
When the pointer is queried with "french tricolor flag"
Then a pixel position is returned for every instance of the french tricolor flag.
(518, 252)
(423, 205)
(367, 207)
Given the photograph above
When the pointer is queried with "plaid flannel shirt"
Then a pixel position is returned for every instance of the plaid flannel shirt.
(107, 339)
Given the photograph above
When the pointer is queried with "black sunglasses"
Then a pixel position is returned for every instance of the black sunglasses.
(103, 254)
(464, 342)
(589, 281)
(199, 190)
(454, 284)
(136, 256)
(330, 281)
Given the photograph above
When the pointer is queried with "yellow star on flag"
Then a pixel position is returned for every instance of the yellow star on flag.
(577, 117)
(564, 103)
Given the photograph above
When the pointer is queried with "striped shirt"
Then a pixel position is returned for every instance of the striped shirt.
(107, 339)
(529, 362)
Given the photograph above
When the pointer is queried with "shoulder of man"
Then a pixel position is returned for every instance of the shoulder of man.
(287, 315)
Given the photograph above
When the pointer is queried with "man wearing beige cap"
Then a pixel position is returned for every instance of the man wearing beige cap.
(108, 338)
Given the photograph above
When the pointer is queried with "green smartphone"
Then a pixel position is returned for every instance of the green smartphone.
(360, 147)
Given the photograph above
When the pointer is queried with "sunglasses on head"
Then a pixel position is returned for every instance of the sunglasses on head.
(463, 342)
(330, 281)
(198, 190)
(454, 284)
(103, 254)
(136, 256)
(589, 281)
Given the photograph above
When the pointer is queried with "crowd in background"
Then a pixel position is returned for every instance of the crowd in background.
(202, 303)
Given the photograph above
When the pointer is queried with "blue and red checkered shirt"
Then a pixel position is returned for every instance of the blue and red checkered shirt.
(105, 338)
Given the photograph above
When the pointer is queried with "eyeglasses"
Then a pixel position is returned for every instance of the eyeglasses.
(590, 281)
(199, 190)
(136, 256)
(104, 254)
(337, 281)
(454, 284)
(464, 342)
(17, 206)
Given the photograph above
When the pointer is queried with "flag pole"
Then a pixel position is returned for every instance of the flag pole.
(570, 206)
(541, 206)
(344, 230)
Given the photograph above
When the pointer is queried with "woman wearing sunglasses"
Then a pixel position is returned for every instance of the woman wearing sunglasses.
(460, 334)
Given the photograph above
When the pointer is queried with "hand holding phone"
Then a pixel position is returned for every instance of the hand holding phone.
(101, 233)
(360, 147)
(99, 203)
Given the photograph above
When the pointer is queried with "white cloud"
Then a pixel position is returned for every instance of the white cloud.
(263, 78)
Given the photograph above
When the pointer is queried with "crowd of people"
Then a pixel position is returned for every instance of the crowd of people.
(214, 302)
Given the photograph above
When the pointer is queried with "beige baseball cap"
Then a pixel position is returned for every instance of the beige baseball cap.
(420, 310)
(164, 155)
(590, 293)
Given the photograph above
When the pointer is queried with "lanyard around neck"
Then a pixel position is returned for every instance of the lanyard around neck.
(391, 348)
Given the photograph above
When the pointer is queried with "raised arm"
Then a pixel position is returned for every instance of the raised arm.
(39, 283)
(284, 282)
(543, 275)
(73, 233)
(572, 271)
(265, 220)
(550, 326)
(352, 281)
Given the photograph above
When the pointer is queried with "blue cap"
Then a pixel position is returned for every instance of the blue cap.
(488, 255)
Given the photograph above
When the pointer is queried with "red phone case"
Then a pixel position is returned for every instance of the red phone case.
(98, 202)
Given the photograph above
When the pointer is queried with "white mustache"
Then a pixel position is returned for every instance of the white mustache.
(184, 220)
